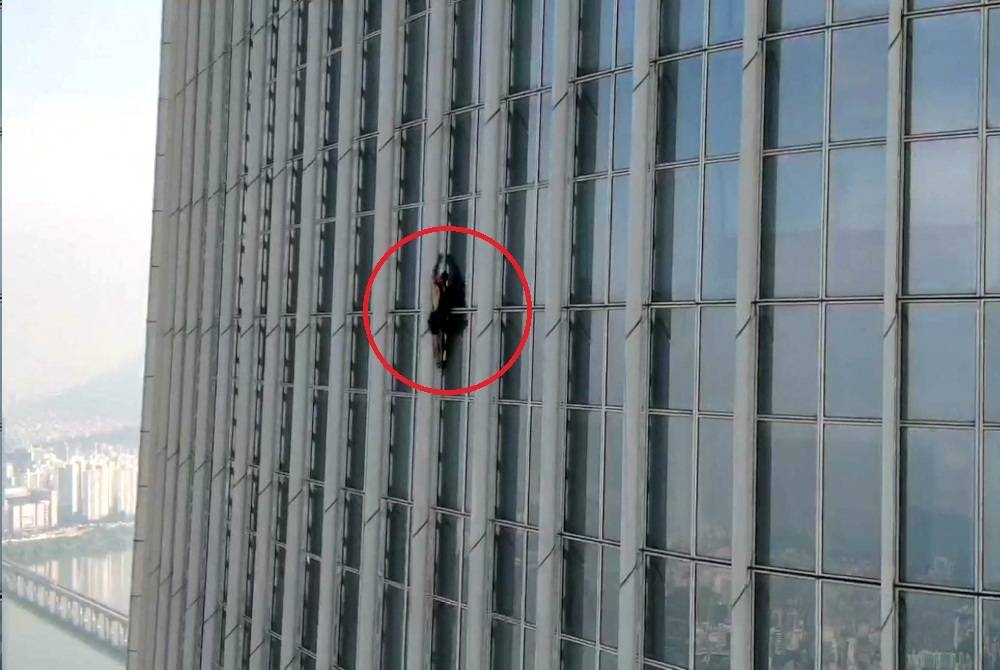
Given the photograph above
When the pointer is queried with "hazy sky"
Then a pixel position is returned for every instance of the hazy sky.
(79, 125)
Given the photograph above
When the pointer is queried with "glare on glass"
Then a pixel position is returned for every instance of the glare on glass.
(725, 21)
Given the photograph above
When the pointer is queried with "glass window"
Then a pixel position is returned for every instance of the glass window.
(718, 359)
(682, 25)
(369, 85)
(844, 10)
(411, 162)
(712, 622)
(722, 219)
(597, 35)
(937, 626)
(590, 242)
(593, 126)
(991, 520)
(462, 165)
(508, 571)
(583, 473)
(788, 360)
(991, 634)
(725, 100)
(786, 495)
(610, 576)
(854, 361)
(856, 225)
(612, 476)
(413, 69)
(993, 76)
(679, 110)
(944, 73)
(993, 214)
(626, 30)
(586, 346)
(448, 547)
(851, 636)
(715, 488)
(725, 21)
(581, 589)
(393, 643)
(942, 217)
(793, 101)
(615, 394)
(852, 484)
(937, 506)
(466, 55)
(525, 48)
(790, 230)
(623, 121)
(675, 234)
(939, 357)
(790, 14)
(667, 611)
(860, 81)
(668, 514)
(992, 392)
(672, 360)
(451, 451)
(785, 622)
(620, 223)
(512, 463)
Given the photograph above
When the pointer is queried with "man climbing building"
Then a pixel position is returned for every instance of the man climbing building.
(447, 295)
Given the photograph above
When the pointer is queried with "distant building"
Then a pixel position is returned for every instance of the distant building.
(27, 510)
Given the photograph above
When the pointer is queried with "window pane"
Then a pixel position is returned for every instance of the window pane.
(859, 83)
(448, 548)
(597, 35)
(590, 242)
(462, 153)
(620, 224)
(939, 356)
(581, 589)
(667, 610)
(725, 21)
(942, 217)
(844, 10)
(612, 476)
(856, 226)
(715, 488)
(682, 25)
(722, 218)
(525, 49)
(413, 70)
(991, 521)
(993, 214)
(854, 361)
(675, 234)
(508, 571)
(793, 101)
(718, 358)
(851, 636)
(623, 121)
(672, 360)
(369, 85)
(512, 463)
(615, 393)
(935, 626)
(466, 56)
(583, 473)
(852, 484)
(586, 346)
(610, 576)
(939, 490)
(679, 111)
(668, 514)
(788, 360)
(626, 32)
(786, 495)
(993, 81)
(725, 86)
(991, 634)
(789, 14)
(790, 230)
(785, 630)
(711, 634)
(992, 392)
(593, 126)
(944, 73)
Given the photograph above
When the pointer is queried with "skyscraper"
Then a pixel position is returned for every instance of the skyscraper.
(757, 423)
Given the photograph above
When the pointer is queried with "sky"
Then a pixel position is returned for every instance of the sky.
(79, 127)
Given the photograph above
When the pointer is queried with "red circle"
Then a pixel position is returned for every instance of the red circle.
(429, 389)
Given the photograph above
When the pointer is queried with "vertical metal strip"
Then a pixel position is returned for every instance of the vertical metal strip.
(891, 331)
(560, 207)
(633, 526)
(378, 390)
(744, 382)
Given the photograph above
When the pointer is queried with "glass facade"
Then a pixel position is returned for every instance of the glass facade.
(757, 419)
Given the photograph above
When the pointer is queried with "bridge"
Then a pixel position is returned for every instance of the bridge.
(88, 618)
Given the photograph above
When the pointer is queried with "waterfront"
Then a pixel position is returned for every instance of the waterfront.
(31, 641)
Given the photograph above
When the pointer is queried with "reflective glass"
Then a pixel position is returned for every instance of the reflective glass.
(851, 635)
(411, 163)
(369, 86)
(597, 35)
(586, 363)
(590, 242)
(844, 10)
(623, 121)
(445, 630)
(615, 394)
(991, 520)
(860, 81)
(462, 165)
(939, 356)
(452, 450)
(512, 463)
(583, 473)
(725, 99)
(414, 51)
(942, 226)
(712, 620)
(620, 224)
(788, 365)
(854, 361)
(404, 348)
(682, 25)
(672, 359)
(679, 110)
(992, 376)
(668, 512)
(991, 634)
(400, 445)
(856, 223)
(448, 547)
(852, 484)
(581, 589)
(626, 31)
(466, 55)
(944, 73)
(793, 90)
(610, 576)
(715, 488)
(612, 476)
(789, 14)
(725, 21)
(786, 495)
(791, 225)
(593, 126)
(393, 642)
(721, 227)
(938, 469)
(667, 611)
(993, 214)
(525, 47)
(993, 71)
(785, 623)
(508, 571)
(675, 234)
(718, 359)
(937, 626)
